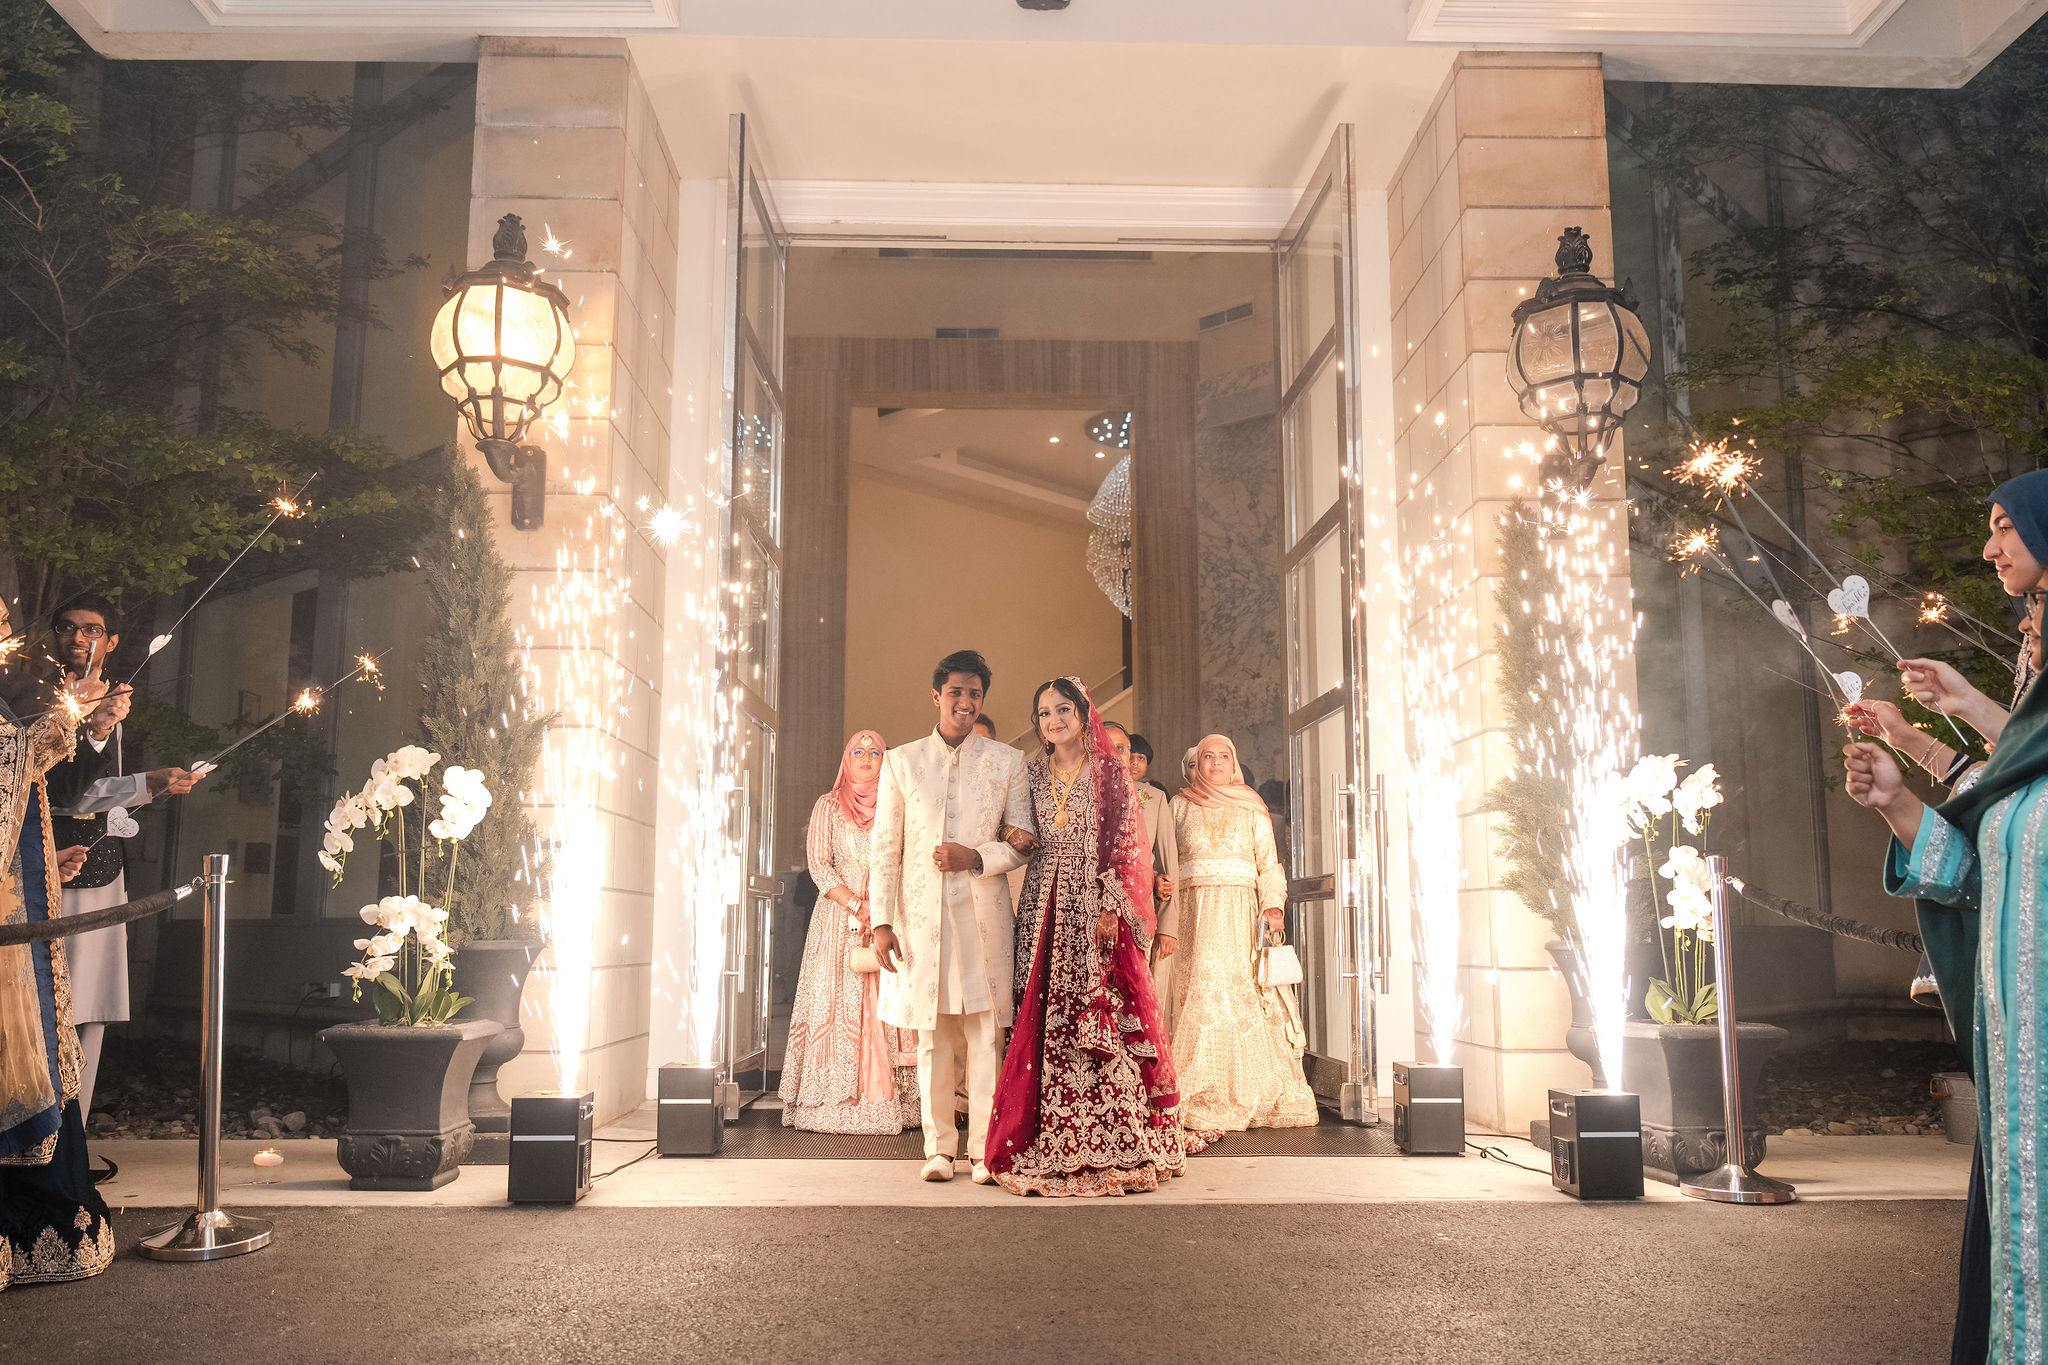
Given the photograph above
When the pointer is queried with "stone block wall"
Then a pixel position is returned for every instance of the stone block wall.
(566, 138)
(1513, 152)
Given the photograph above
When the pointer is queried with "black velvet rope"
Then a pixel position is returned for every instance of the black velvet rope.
(46, 930)
(1902, 939)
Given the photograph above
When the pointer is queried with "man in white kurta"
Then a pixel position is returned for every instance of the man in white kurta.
(937, 883)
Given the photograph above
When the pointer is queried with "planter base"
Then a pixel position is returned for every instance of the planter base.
(1676, 1068)
(403, 1161)
(408, 1091)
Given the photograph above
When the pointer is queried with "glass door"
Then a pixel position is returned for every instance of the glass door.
(1317, 365)
(756, 264)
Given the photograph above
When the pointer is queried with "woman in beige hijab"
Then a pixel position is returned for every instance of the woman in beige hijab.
(1236, 1047)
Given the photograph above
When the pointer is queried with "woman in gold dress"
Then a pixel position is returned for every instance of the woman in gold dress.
(1236, 1047)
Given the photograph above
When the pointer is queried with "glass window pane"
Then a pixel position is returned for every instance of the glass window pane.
(1317, 756)
(761, 263)
(1314, 452)
(1310, 276)
(757, 781)
(757, 462)
(1315, 622)
(756, 606)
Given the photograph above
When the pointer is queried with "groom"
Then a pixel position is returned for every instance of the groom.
(951, 817)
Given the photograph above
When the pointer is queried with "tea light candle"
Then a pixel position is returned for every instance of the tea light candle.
(269, 1156)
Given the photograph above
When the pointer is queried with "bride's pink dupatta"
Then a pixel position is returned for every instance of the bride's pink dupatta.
(1124, 870)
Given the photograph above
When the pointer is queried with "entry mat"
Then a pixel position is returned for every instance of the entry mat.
(759, 1134)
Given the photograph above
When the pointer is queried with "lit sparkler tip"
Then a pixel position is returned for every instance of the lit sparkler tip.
(1843, 621)
(1703, 543)
(554, 245)
(1933, 610)
(285, 506)
(307, 701)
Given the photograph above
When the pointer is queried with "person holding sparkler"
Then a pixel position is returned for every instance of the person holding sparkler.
(1975, 867)
(90, 801)
(53, 1224)
(844, 1070)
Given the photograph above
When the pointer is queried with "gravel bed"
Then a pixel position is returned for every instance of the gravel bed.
(149, 1088)
(1852, 1087)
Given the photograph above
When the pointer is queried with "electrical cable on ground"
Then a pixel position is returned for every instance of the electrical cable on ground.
(652, 1148)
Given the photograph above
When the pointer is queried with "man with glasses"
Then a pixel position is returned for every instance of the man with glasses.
(90, 799)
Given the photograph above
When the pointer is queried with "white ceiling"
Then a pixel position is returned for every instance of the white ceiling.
(1038, 462)
(1871, 42)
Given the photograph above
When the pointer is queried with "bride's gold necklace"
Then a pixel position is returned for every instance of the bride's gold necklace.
(1063, 784)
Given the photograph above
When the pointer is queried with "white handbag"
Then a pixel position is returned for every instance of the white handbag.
(1278, 965)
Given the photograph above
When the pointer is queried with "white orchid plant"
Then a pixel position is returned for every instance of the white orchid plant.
(407, 956)
(1655, 794)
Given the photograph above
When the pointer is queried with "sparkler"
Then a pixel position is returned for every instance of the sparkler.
(287, 505)
(305, 704)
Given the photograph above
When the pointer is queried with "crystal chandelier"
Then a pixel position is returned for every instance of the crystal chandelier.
(1109, 536)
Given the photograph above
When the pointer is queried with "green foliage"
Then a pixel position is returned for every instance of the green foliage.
(474, 712)
(124, 311)
(432, 1001)
(1892, 315)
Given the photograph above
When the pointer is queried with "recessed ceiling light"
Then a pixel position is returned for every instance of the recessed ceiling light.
(1101, 454)
(1054, 439)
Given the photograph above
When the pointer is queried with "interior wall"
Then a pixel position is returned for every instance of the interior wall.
(927, 574)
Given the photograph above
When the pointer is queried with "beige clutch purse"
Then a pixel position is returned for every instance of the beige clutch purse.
(865, 960)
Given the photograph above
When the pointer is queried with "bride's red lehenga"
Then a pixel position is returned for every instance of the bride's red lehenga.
(1085, 1102)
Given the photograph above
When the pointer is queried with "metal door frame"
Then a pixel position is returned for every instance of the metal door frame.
(1348, 1082)
(749, 357)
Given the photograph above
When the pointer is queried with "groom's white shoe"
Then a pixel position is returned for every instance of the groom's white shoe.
(982, 1175)
(939, 1168)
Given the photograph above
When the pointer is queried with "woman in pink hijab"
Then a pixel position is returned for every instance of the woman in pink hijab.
(845, 1071)
(1236, 1045)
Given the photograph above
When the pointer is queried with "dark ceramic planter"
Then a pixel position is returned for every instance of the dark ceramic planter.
(1676, 1070)
(1643, 965)
(408, 1100)
(493, 973)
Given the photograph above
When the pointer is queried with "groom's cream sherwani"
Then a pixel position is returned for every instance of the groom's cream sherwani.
(956, 929)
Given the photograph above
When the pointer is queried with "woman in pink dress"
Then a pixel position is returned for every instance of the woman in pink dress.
(1084, 1105)
(845, 1071)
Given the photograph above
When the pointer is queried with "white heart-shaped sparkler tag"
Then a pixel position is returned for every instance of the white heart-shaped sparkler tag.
(1852, 686)
(156, 645)
(121, 824)
(1851, 599)
(202, 769)
(1788, 618)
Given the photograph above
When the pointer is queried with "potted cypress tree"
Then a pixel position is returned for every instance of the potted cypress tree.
(474, 711)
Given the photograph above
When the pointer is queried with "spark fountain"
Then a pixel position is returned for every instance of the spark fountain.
(1439, 624)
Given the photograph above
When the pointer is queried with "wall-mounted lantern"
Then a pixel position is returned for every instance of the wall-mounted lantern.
(1577, 360)
(503, 347)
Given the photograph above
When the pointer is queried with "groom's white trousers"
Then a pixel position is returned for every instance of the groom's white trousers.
(972, 1043)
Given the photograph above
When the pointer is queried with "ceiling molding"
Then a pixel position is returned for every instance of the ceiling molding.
(1600, 24)
(911, 211)
(477, 16)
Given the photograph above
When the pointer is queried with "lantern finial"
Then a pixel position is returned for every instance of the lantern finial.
(508, 243)
(1574, 252)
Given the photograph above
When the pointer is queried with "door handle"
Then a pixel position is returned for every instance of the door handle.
(1383, 969)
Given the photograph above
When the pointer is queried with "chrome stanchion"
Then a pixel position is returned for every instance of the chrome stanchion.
(210, 1232)
(1732, 1182)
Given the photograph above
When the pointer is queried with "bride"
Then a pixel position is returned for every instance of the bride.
(1084, 1104)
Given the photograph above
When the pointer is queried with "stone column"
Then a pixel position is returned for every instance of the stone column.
(566, 139)
(1513, 152)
